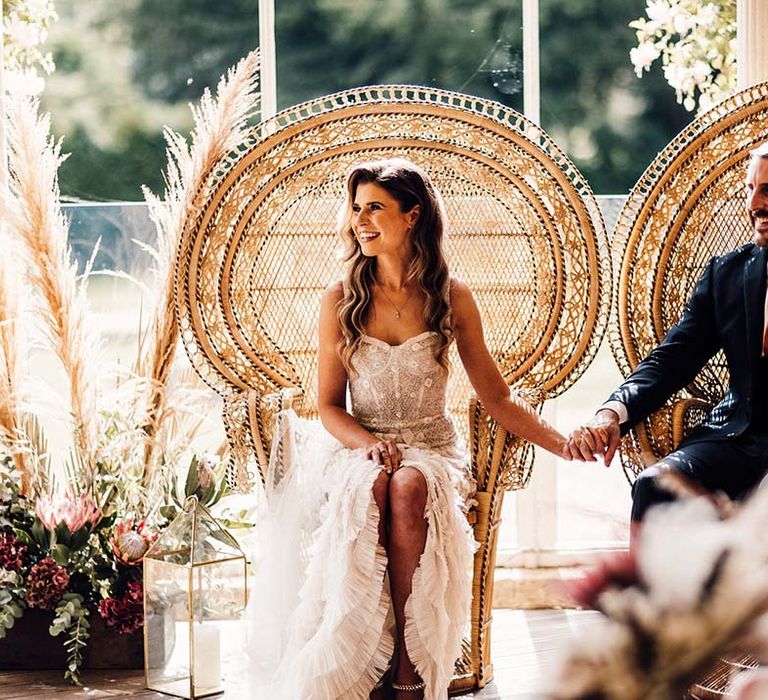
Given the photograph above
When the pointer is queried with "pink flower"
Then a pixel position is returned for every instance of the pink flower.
(74, 511)
(129, 544)
(46, 583)
(615, 571)
(125, 613)
(12, 552)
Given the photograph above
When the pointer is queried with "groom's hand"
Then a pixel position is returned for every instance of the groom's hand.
(599, 437)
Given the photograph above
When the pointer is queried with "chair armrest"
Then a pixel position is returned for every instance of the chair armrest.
(497, 457)
(249, 421)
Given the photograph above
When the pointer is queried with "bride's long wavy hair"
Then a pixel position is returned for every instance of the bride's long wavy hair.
(410, 186)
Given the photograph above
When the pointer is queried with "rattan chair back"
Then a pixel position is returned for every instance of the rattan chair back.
(688, 206)
(526, 235)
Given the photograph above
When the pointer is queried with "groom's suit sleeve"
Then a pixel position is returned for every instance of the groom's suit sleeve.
(688, 345)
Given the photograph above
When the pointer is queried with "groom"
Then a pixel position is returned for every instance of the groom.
(727, 310)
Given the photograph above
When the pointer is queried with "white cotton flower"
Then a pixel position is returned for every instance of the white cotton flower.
(659, 11)
(678, 548)
(643, 56)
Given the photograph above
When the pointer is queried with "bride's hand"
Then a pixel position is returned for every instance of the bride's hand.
(386, 454)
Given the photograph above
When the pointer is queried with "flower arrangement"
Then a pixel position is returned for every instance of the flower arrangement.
(75, 523)
(696, 43)
(694, 590)
(66, 555)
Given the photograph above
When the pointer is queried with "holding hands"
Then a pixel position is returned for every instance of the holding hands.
(599, 437)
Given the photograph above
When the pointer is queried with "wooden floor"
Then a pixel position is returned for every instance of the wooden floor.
(526, 645)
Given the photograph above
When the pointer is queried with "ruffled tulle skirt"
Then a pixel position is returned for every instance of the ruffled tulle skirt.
(320, 624)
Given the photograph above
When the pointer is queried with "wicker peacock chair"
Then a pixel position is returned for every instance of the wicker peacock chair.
(688, 206)
(526, 236)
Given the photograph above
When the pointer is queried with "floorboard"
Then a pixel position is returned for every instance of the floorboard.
(526, 644)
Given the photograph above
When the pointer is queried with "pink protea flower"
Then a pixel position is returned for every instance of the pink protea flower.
(12, 552)
(129, 543)
(46, 583)
(74, 511)
(125, 613)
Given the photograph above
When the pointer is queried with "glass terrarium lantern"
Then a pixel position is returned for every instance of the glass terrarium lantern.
(194, 591)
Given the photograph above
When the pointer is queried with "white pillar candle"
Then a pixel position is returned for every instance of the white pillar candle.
(207, 668)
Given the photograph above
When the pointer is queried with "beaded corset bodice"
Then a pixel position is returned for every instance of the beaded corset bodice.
(398, 392)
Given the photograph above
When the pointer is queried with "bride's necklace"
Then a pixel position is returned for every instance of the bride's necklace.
(392, 303)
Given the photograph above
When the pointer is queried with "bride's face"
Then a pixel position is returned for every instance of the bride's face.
(379, 224)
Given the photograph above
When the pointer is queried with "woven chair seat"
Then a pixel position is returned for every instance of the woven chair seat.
(526, 235)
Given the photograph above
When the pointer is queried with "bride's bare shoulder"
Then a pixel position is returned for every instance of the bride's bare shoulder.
(333, 292)
(460, 292)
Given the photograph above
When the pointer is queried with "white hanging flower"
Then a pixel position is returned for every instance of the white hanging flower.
(695, 41)
(707, 14)
(683, 23)
(643, 56)
(700, 71)
(23, 34)
(41, 9)
(678, 77)
(659, 11)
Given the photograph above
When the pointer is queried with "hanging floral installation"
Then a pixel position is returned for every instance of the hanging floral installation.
(25, 30)
(695, 41)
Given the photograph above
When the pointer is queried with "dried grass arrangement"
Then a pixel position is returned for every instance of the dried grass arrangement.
(697, 590)
(220, 125)
(73, 535)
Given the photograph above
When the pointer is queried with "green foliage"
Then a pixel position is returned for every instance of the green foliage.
(125, 71)
(71, 617)
(12, 603)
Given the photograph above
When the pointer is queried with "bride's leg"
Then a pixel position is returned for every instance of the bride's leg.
(381, 496)
(407, 538)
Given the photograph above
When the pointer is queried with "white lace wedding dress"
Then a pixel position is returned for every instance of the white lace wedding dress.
(321, 624)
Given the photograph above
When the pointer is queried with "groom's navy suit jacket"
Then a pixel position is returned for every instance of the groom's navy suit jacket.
(725, 311)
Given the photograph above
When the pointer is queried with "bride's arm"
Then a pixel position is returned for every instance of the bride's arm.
(332, 378)
(332, 390)
(514, 414)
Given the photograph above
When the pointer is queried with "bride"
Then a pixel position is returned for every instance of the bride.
(369, 511)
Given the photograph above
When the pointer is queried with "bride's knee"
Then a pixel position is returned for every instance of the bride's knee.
(407, 492)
